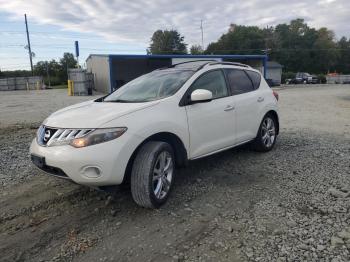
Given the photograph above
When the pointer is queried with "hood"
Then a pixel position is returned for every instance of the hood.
(92, 114)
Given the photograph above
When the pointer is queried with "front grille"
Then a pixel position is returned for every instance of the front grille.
(49, 136)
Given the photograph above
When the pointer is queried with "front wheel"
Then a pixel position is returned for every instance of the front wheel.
(267, 134)
(153, 174)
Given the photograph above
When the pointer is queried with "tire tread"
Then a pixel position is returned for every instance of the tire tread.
(140, 178)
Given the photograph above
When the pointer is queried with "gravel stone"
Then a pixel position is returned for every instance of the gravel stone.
(336, 241)
(337, 193)
(344, 235)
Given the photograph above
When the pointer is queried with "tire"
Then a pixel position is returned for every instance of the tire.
(152, 174)
(267, 134)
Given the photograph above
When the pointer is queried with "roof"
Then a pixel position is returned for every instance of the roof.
(238, 57)
(273, 64)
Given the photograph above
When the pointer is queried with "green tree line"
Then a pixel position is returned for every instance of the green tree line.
(297, 46)
(52, 71)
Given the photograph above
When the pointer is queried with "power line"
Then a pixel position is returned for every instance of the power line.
(83, 48)
(60, 35)
(19, 31)
(55, 34)
(15, 64)
(21, 58)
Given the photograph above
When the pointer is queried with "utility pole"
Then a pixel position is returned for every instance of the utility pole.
(29, 48)
(76, 44)
(266, 39)
(202, 34)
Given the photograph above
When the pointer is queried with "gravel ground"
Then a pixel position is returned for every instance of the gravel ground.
(291, 204)
(32, 107)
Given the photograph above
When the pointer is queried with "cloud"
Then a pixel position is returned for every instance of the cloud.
(127, 22)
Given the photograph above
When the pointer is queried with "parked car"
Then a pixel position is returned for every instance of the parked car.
(303, 78)
(144, 130)
(272, 82)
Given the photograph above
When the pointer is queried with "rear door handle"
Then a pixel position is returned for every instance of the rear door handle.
(229, 108)
(260, 99)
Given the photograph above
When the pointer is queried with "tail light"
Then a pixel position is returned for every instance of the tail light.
(275, 94)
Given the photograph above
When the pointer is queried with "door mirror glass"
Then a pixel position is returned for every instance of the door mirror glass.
(201, 95)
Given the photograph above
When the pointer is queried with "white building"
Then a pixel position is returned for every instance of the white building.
(274, 71)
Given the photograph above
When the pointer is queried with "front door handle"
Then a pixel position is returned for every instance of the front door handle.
(229, 108)
(260, 99)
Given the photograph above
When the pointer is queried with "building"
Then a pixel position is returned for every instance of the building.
(112, 71)
(274, 72)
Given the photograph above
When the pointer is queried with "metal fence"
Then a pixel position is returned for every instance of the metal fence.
(21, 83)
(338, 79)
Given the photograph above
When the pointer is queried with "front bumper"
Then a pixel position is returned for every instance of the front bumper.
(40, 162)
(98, 165)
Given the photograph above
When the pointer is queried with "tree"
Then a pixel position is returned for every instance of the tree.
(326, 56)
(343, 63)
(239, 40)
(15, 73)
(56, 69)
(66, 62)
(296, 46)
(196, 50)
(40, 68)
(167, 42)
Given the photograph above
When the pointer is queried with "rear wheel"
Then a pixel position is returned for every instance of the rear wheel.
(153, 174)
(267, 134)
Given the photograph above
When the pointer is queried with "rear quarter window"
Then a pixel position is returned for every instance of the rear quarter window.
(239, 81)
(255, 77)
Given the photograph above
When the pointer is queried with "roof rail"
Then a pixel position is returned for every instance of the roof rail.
(230, 63)
(204, 62)
(194, 61)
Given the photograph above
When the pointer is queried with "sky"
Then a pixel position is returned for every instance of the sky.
(117, 27)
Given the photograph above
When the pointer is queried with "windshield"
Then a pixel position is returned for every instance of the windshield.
(153, 86)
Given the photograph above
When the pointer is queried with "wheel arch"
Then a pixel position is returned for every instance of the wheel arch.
(181, 157)
(274, 114)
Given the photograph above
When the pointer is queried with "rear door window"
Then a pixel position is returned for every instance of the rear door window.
(255, 77)
(239, 81)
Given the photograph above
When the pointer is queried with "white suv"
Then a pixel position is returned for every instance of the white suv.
(157, 122)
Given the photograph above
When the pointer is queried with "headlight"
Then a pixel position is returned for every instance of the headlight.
(98, 136)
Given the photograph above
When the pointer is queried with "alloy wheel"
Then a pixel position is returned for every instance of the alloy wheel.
(162, 175)
(268, 132)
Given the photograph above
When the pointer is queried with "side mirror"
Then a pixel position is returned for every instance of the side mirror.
(201, 96)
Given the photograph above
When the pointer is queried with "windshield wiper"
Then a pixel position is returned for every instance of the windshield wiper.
(118, 101)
